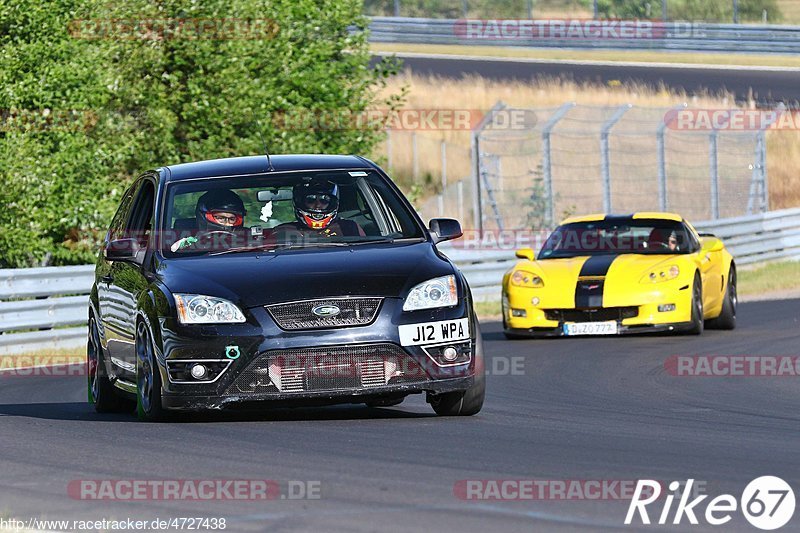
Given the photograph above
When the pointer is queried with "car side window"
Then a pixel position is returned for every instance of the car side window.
(117, 226)
(140, 222)
(694, 244)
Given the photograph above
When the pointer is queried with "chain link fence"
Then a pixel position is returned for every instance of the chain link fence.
(591, 159)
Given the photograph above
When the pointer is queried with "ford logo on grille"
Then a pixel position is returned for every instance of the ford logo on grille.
(326, 310)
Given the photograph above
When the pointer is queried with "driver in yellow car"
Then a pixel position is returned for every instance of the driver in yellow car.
(220, 211)
(672, 241)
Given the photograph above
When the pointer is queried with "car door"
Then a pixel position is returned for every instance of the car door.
(108, 315)
(128, 281)
(709, 265)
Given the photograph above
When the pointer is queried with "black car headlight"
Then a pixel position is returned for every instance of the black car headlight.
(200, 309)
(436, 292)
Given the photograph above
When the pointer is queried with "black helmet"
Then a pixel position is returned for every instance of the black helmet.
(316, 203)
(215, 201)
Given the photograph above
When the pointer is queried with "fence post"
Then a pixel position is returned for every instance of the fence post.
(547, 172)
(477, 213)
(604, 158)
(662, 168)
(736, 11)
(396, 8)
(714, 172)
(664, 10)
(477, 216)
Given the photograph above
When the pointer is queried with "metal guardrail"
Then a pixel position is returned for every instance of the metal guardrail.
(751, 239)
(46, 308)
(678, 36)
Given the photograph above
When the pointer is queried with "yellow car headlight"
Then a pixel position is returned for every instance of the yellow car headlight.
(522, 278)
(662, 274)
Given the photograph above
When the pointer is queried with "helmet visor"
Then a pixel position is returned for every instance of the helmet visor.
(224, 218)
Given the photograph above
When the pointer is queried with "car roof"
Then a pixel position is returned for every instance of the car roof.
(249, 165)
(659, 215)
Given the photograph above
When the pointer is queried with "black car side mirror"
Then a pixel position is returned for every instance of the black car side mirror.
(445, 229)
(125, 250)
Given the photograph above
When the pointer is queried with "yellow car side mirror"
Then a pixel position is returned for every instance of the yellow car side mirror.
(525, 253)
(712, 244)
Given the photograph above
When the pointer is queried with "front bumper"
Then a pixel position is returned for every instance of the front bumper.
(539, 320)
(301, 367)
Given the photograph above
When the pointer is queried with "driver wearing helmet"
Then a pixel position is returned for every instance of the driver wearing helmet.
(316, 206)
(218, 212)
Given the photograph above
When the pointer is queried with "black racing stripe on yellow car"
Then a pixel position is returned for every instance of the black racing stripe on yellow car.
(597, 266)
(589, 293)
(619, 219)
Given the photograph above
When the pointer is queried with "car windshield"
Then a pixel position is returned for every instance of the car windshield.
(609, 237)
(286, 211)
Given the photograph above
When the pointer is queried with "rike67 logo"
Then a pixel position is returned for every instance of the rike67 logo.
(767, 503)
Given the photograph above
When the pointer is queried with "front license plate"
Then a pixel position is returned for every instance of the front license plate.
(591, 328)
(434, 332)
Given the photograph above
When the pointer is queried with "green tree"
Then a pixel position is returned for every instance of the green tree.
(138, 97)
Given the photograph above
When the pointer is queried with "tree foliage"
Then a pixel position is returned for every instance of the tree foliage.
(86, 106)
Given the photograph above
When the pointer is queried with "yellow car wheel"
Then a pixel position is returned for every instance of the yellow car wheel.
(727, 318)
(697, 307)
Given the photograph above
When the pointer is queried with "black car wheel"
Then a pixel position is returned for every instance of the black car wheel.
(148, 378)
(470, 401)
(697, 307)
(727, 317)
(100, 390)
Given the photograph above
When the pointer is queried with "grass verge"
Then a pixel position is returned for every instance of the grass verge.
(560, 54)
(770, 278)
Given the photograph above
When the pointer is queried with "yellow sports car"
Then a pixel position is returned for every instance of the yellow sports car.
(610, 274)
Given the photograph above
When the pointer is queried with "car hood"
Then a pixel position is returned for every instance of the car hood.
(629, 266)
(250, 279)
(621, 274)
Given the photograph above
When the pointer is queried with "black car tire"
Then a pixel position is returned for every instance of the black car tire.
(697, 308)
(148, 378)
(470, 401)
(727, 317)
(99, 388)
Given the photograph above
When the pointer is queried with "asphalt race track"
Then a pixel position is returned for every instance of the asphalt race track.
(767, 86)
(576, 409)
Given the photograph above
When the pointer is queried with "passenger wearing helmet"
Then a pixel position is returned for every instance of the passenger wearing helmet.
(316, 206)
(218, 212)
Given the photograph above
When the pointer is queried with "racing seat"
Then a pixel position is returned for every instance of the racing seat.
(656, 240)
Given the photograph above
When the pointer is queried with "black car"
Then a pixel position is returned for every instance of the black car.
(293, 280)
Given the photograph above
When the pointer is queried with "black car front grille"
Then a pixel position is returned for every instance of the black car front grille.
(597, 314)
(327, 369)
(301, 315)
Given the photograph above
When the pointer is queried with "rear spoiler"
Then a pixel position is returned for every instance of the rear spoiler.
(707, 235)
